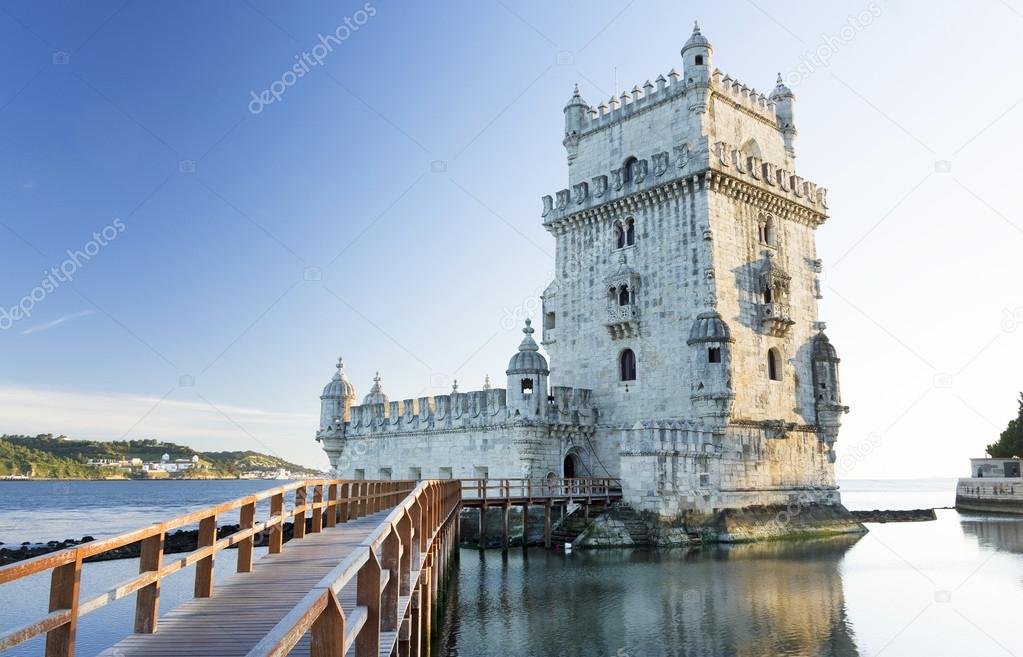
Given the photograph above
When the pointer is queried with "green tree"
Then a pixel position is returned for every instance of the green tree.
(1010, 443)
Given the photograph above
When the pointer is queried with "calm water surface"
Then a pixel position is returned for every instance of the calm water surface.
(951, 587)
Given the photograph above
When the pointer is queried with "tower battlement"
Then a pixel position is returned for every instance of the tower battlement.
(461, 410)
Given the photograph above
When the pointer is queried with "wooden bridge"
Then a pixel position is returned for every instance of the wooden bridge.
(361, 575)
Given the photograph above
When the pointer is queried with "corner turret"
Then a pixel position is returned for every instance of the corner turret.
(710, 361)
(335, 410)
(785, 108)
(826, 392)
(576, 115)
(527, 379)
(696, 69)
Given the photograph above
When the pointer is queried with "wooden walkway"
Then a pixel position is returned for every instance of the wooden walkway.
(247, 606)
(361, 575)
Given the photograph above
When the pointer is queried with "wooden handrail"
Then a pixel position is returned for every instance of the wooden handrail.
(386, 560)
(66, 565)
(402, 559)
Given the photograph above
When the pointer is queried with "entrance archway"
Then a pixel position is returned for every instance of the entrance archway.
(570, 469)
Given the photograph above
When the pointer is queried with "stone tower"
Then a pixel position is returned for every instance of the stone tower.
(685, 292)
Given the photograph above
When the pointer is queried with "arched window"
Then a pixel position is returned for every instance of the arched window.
(623, 296)
(768, 296)
(627, 363)
(767, 231)
(630, 231)
(773, 364)
(527, 386)
(629, 170)
(612, 295)
(714, 354)
(549, 320)
(619, 235)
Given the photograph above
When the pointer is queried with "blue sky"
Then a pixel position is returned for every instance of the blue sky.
(387, 206)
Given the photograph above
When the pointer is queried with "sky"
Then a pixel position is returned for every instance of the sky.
(215, 253)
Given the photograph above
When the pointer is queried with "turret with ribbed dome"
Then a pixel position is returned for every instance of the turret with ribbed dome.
(696, 68)
(376, 394)
(338, 396)
(785, 109)
(527, 378)
(576, 111)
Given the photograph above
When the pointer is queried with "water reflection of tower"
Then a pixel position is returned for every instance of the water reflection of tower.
(766, 600)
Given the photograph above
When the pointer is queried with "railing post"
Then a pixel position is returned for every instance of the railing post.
(245, 521)
(344, 507)
(368, 595)
(204, 568)
(64, 583)
(390, 560)
(332, 505)
(405, 567)
(276, 539)
(327, 635)
(298, 529)
(317, 509)
(147, 601)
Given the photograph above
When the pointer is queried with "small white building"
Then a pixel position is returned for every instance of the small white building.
(988, 467)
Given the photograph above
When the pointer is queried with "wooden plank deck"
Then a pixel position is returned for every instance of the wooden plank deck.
(246, 606)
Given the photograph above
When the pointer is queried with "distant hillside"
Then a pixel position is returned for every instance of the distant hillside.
(57, 457)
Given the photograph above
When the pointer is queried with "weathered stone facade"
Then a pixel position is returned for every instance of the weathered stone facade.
(681, 325)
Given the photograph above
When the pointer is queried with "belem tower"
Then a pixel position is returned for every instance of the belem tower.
(684, 353)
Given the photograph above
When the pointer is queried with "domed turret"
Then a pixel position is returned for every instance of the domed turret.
(527, 359)
(826, 392)
(575, 118)
(785, 108)
(527, 378)
(696, 68)
(338, 396)
(376, 393)
(709, 327)
(710, 361)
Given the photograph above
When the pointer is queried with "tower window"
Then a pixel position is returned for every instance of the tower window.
(623, 296)
(773, 364)
(699, 60)
(768, 296)
(549, 320)
(619, 235)
(629, 171)
(527, 386)
(630, 232)
(714, 355)
(627, 363)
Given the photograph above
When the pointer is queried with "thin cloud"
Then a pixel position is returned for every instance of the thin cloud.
(39, 328)
(176, 418)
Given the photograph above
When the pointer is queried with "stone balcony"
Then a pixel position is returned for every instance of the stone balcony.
(622, 321)
(775, 317)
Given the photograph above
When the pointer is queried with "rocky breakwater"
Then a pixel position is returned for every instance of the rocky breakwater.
(908, 515)
(183, 540)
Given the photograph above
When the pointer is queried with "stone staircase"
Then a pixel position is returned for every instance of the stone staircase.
(572, 525)
(639, 530)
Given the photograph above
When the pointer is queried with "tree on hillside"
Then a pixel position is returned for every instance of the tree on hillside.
(1010, 443)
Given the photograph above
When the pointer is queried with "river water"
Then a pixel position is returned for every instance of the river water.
(950, 587)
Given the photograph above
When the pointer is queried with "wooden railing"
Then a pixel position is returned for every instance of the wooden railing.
(477, 492)
(332, 501)
(397, 573)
